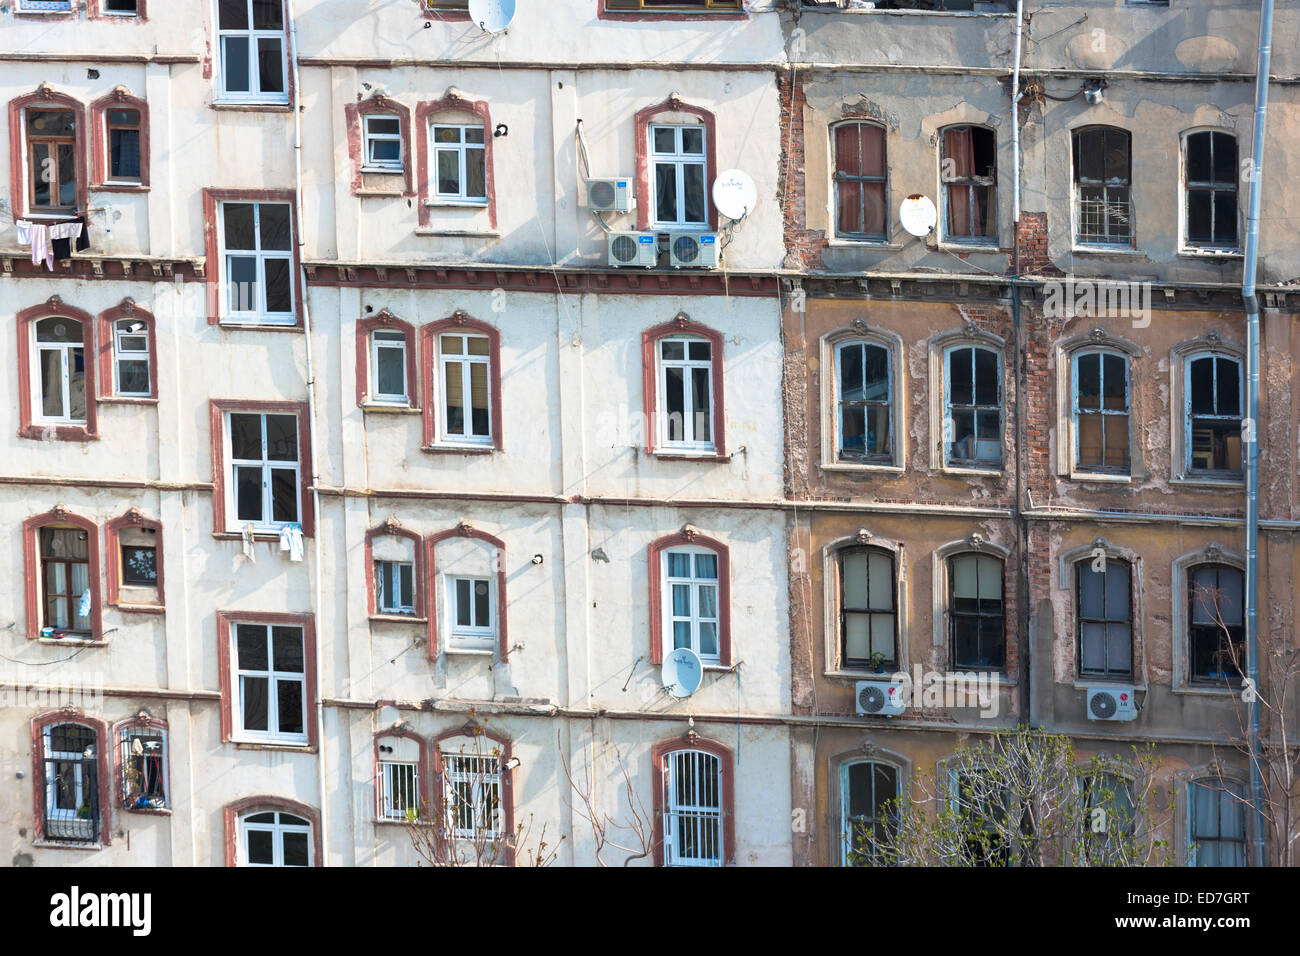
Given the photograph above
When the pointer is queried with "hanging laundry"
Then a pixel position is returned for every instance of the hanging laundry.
(83, 606)
(36, 235)
(291, 541)
(247, 536)
(61, 236)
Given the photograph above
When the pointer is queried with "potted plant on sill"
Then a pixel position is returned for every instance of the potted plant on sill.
(878, 662)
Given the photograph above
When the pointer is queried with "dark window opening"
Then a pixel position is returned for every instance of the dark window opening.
(865, 407)
(1101, 413)
(139, 566)
(870, 812)
(977, 621)
(1217, 633)
(1105, 613)
(868, 612)
(969, 169)
(974, 437)
(1212, 190)
(1102, 187)
(1214, 415)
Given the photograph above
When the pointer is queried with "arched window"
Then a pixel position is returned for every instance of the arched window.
(1213, 393)
(59, 383)
(972, 429)
(868, 608)
(1100, 394)
(1216, 634)
(969, 170)
(1108, 800)
(1103, 187)
(691, 612)
(860, 180)
(1104, 610)
(977, 635)
(692, 809)
(70, 760)
(864, 402)
(1210, 183)
(868, 790)
(275, 838)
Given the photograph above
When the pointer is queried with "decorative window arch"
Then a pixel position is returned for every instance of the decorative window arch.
(1095, 575)
(69, 383)
(134, 562)
(863, 418)
(703, 613)
(473, 786)
(1208, 215)
(858, 613)
(464, 112)
(944, 589)
(673, 111)
(130, 150)
(976, 405)
(285, 833)
(401, 774)
(694, 802)
(1207, 407)
(441, 370)
(688, 431)
(1102, 441)
(392, 581)
(141, 763)
(22, 178)
(127, 372)
(378, 104)
(71, 788)
(62, 548)
(370, 393)
(489, 568)
(1183, 613)
(858, 798)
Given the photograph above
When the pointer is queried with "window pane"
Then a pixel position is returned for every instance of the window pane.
(390, 375)
(250, 642)
(448, 172)
(1202, 386)
(284, 494)
(268, 15)
(295, 849)
(279, 286)
(1115, 383)
(854, 583)
(693, 176)
(986, 377)
(133, 377)
(124, 154)
(482, 604)
(666, 192)
(475, 174)
(857, 637)
(287, 653)
(708, 639)
(679, 564)
(675, 403)
(960, 385)
(274, 222)
(51, 362)
(1225, 218)
(700, 398)
(463, 609)
(851, 373)
(234, 64)
(964, 583)
(243, 294)
(1199, 228)
(665, 139)
(248, 493)
(478, 390)
(706, 567)
(270, 65)
(232, 14)
(1199, 167)
(238, 219)
(454, 390)
(246, 436)
(881, 581)
(261, 849)
(289, 701)
(1117, 591)
(281, 437)
(253, 692)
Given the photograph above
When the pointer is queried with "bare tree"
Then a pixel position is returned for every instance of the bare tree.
(632, 834)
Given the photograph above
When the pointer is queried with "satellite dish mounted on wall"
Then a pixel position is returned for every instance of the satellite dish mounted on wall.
(492, 16)
(734, 193)
(918, 215)
(681, 673)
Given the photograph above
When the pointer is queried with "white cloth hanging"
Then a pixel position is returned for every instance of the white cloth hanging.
(291, 541)
(247, 536)
(36, 235)
(83, 606)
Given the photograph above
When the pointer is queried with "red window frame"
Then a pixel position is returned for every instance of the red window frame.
(644, 174)
(504, 755)
(59, 517)
(55, 308)
(727, 795)
(426, 801)
(655, 554)
(225, 620)
(119, 99)
(394, 529)
(650, 338)
(108, 353)
(142, 722)
(214, 268)
(424, 113)
(459, 322)
(386, 321)
(231, 813)
(217, 409)
(103, 783)
(19, 174)
(432, 605)
(355, 114)
(132, 518)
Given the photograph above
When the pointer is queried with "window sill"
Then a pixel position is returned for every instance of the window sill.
(379, 193)
(888, 674)
(253, 106)
(126, 400)
(1196, 482)
(457, 233)
(1229, 693)
(66, 845)
(470, 651)
(1193, 253)
(386, 409)
(997, 678)
(864, 244)
(149, 811)
(1080, 684)
(260, 534)
(234, 324)
(454, 204)
(683, 454)
(50, 216)
(1117, 251)
(52, 432)
(948, 245)
(120, 188)
(270, 745)
(459, 449)
(398, 619)
(139, 608)
(972, 472)
(383, 171)
(76, 641)
(863, 468)
(1091, 476)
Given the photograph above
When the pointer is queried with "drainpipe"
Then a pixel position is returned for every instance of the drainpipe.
(1015, 121)
(1252, 416)
(311, 436)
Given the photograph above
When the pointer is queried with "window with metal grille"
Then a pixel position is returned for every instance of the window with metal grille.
(1211, 185)
(1216, 831)
(690, 577)
(65, 581)
(59, 385)
(867, 792)
(861, 174)
(976, 616)
(969, 171)
(472, 794)
(466, 391)
(1101, 412)
(679, 162)
(271, 838)
(70, 758)
(399, 790)
(1103, 187)
(1217, 634)
(395, 587)
(271, 683)
(143, 759)
(1213, 393)
(868, 611)
(251, 38)
(973, 407)
(864, 382)
(265, 468)
(1105, 614)
(686, 393)
(693, 809)
(257, 253)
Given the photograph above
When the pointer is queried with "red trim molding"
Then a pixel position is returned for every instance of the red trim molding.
(231, 813)
(606, 14)
(423, 805)
(27, 428)
(120, 98)
(465, 530)
(70, 716)
(96, 12)
(645, 117)
(217, 409)
(424, 112)
(386, 320)
(692, 741)
(378, 103)
(143, 722)
(393, 528)
(504, 751)
(225, 657)
(214, 271)
(458, 322)
(127, 310)
(132, 518)
(62, 518)
(682, 325)
(43, 95)
(690, 538)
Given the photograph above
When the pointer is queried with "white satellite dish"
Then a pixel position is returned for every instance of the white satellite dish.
(492, 16)
(682, 672)
(734, 193)
(918, 215)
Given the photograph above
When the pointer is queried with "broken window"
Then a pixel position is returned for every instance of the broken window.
(670, 6)
(265, 468)
(973, 408)
(976, 618)
(473, 615)
(1214, 415)
(257, 251)
(395, 587)
(251, 37)
(472, 795)
(690, 598)
(1211, 190)
(1103, 590)
(143, 762)
(388, 367)
(868, 610)
(1102, 187)
(65, 582)
(383, 143)
(1101, 412)
(271, 838)
(867, 794)
(51, 160)
(131, 375)
(863, 376)
(60, 379)
(466, 394)
(1216, 633)
(70, 758)
(692, 784)
(969, 173)
(680, 164)
(686, 393)
(1216, 832)
(270, 669)
(124, 135)
(860, 174)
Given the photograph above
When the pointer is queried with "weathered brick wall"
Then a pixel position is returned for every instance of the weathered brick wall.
(803, 246)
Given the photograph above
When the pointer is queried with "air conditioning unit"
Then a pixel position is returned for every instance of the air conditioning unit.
(611, 195)
(879, 698)
(633, 249)
(693, 250)
(1112, 703)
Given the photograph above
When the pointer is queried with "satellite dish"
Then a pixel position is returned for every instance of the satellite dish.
(682, 672)
(492, 16)
(918, 215)
(734, 193)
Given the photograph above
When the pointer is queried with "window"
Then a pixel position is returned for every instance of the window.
(1214, 403)
(395, 587)
(123, 145)
(388, 360)
(1211, 186)
(1105, 613)
(66, 583)
(273, 838)
(864, 405)
(132, 377)
(473, 615)
(686, 387)
(467, 413)
(399, 784)
(690, 598)
(976, 616)
(470, 601)
(120, 8)
(44, 6)
(1216, 832)
(265, 467)
(867, 794)
(51, 160)
(252, 50)
(1101, 412)
(139, 566)
(973, 408)
(142, 757)
(70, 760)
(471, 793)
(861, 203)
(984, 811)
(673, 6)
(59, 382)
(383, 143)
(868, 613)
(270, 667)
(1217, 633)
(1102, 187)
(680, 166)
(257, 252)
(135, 562)
(692, 817)
(460, 164)
(1111, 843)
(970, 183)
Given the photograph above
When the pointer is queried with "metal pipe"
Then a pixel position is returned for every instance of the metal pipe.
(1015, 121)
(1251, 435)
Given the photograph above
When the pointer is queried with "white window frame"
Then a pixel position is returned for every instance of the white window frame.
(121, 354)
(975, 464)
(392, 341)
(267, 465)
(470, 637)
(66, 365)
(383, 602)
(486, 794)
(408, 786)
(273, 679)
(690, 442)
(698, 813)
(258, 315)
(465, 360)
(253, 36)
(694, 618)
(838, 449)
(371, 137)
(679, 159)
(461, 149)
(278, 829)
(1127, 412)
(1210, 474)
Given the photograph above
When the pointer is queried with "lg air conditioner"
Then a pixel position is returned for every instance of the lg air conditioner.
(633, 249)
(1111, 703)
(879, 698)
(611, 195)
(693, 250)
